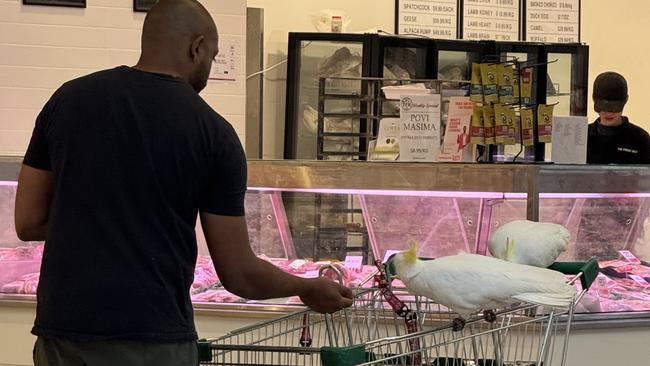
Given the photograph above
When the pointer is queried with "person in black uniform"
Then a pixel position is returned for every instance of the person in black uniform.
(613, 139)
(120, 164)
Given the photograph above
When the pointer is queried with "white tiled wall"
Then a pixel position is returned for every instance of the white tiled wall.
(41, 47)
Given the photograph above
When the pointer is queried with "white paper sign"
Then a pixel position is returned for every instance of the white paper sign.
(554, 21)
(428, 18)
(491, 20)
(354, 263)
(420, 127)
(225, 66)
(456, 145)
(297, 264)
(569, 140)
(388, 138)
(312, 274)
(640, 281)
(629, 256)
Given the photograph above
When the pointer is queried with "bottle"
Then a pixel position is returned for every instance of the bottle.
(337, 24)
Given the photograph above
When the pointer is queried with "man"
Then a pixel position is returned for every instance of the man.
(119, 165)
(613, 139)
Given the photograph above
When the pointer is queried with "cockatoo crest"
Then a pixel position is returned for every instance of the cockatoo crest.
(411, 255)
(510, 249)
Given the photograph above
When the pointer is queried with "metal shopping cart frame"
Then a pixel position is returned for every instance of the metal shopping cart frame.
(376, 331)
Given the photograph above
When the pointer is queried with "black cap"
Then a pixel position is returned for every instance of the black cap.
(610, 92)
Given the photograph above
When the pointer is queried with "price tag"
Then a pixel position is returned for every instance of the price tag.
(354, 262)
(631, 258)
(311, 274)
(389, 253)
(640, 281)
(297, 263)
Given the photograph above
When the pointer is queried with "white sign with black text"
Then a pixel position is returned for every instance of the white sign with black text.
(420, 127)
(226, 66)
(569, 139)
(496, 20)
(553, 21)
(429, 18)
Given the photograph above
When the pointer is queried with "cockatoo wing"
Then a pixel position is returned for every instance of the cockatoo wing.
(470, 282)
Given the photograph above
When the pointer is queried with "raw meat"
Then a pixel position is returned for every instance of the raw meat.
(219, 295)
(27, 284)
(205, 276)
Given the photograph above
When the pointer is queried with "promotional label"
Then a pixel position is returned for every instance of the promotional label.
(420, 127)
(457, 142)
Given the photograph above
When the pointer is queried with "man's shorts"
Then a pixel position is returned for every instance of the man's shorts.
(61, 352)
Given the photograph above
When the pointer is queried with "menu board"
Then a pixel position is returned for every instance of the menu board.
(428, 18)
(554, 21)
(491, 20)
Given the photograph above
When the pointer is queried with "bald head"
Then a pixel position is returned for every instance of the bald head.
(180, 38)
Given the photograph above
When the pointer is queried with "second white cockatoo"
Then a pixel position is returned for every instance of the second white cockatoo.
(527, 242)
(467, 283)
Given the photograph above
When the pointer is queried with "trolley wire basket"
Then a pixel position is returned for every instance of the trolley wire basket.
(388, 326)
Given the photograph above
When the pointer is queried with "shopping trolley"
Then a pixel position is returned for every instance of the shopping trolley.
(388, 326)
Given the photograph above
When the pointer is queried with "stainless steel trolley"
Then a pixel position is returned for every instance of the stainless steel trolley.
(387, 326)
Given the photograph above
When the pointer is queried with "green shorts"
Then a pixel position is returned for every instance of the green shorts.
(61, 352)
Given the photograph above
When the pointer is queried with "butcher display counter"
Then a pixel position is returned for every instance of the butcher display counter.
(306, 215)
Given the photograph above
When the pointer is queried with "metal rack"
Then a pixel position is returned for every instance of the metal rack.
(370, 112)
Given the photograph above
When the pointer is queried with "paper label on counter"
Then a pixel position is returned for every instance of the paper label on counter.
(297, 263)
(312, 274)
(389, 253)
(631, 258)
(354, 262)
(640, 281)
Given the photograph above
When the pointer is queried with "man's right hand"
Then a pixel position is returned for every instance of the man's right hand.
(325, 296)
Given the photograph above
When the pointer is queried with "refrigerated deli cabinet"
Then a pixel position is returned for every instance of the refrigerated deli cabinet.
(306, 214)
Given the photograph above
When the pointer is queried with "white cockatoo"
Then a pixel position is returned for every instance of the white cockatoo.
(527, 242)
(467, 283)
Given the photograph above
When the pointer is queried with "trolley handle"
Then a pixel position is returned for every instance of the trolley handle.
(588, 270)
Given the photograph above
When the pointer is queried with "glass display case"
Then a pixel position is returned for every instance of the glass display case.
(322, 55)
(370, 210)
(558, 71)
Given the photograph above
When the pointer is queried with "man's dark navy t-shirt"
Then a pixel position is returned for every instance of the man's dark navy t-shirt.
(135, 156)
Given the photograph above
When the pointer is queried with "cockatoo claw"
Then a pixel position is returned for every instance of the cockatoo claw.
(458, 324)
(489, 316)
